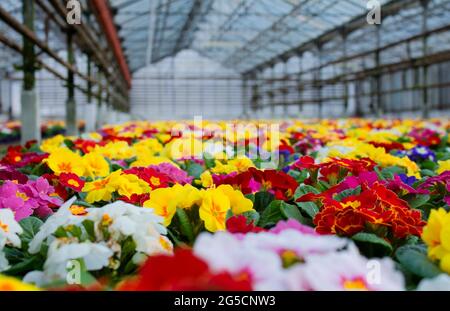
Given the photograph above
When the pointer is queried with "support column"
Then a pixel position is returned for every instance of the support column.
(245, 102)
(90, 114)
(285, 88)
(379, 109)
(345, 72)
(99, 121)
(425, 97)
(318, 81)
(71, 105)
(272, 91)
(30, 112)
(299, 82)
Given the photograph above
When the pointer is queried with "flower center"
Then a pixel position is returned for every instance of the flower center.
(22, 195)
(352, 204)
(165, 244)
(106, 220)
(73, 183)
(155, 181)
(290, 258)
(78, 210)
(355, 284)
(65, 167)
(4, 227)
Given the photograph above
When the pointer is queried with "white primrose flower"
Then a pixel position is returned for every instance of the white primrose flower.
(345, 270)
(112, 223)
(438, 283)
(9, 235)
(63, 217)
(141, 224)
(263, 256)
(94, 255)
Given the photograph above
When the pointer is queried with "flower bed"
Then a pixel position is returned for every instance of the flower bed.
(331, 205)
(10, 131)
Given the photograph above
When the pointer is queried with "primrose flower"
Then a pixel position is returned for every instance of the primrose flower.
(14, 197)
(94, 255)
(71, 181)
(9, 235)
(52, 144)
(62, 160)
(101, 189)
(214, 208)
(95, 165)
(436, 234)
(175, 173)
(164, 203)
(43, 194)
(443, 166)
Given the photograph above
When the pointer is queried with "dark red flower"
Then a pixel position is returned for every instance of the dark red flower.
(151, 176)
(60, 190)
(136, 199)
(85, 146)
(239, 224)
(183, 272)
(71, 181)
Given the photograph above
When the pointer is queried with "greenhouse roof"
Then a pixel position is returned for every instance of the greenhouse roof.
(237, 33)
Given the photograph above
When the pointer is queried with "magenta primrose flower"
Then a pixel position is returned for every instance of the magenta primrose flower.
(34, 197)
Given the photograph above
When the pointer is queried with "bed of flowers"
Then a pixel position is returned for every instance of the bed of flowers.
(10, 131)
(338, 205)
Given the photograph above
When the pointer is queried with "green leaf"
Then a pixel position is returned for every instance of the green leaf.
(69, 143)
(262, 201)
(417, 200)
(272, 214)
(291, 212)
(299, 176)
(346, 193)
(305, 189)
(24, 266)
(372, 238)
(194, 170)
(309, 208)
(90, 230)
(415, 260)
(185, 224)
(391, 171)
(252, 216)
(429, 165)
(30, 227)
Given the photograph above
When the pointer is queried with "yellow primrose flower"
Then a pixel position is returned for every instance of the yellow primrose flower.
(150, 145)
(214, 208)
(118, 150)
(151, 160)
(51, 144)
(164, 203)
(221, 168)
(184, 148)
(436, 234)
(206, 179)
(443, 166)
(238, 202)
(102, 189)
(242, 164)
(187, 196)
(95, 165)
(62, 160)
(12, 284)
(128, 184)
